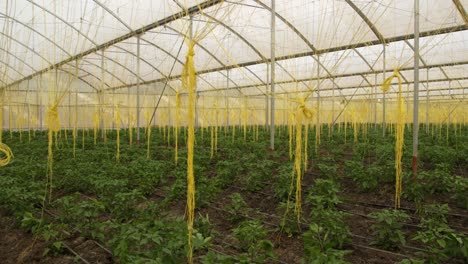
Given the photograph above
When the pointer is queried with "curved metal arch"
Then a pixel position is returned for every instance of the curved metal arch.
(461, 10)
(63, 21)
(179, 61)
(46, 60)
(145, 61)
(11, 67)
(262, 57)
(61, 48)
(109, 72)
(306, 41)
(212, 55)
(369, 23)
(81, 79)
(112, 14)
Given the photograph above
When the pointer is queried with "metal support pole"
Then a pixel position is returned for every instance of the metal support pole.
(375, 100)
(317, 125)
(267, 123)
(138, 91)
(227, 99)
(29, 116)
(333, 104)
(100, 99)
(39, 103)
(272, 83)
(383, 99)
(450, 112)
(427, 101)
(416, 88)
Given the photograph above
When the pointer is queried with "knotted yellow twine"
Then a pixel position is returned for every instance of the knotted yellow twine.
(53, 125)
(189, 83)
(303, 112)
(8, 154)
(399, 135)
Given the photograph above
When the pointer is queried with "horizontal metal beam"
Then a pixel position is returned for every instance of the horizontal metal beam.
(323, 51)
(354, 74)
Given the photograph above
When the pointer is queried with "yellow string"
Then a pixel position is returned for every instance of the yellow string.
(8, 154)
(399, 134)
(189, 83)
(303, 112)
(176, 128)
(53, 124)
(117, 128)
(95, 125)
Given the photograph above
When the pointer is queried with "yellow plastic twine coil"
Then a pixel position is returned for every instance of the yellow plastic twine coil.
(8, 154)
(399, 135)
(302, 113)
(189, 83)
(53, 125)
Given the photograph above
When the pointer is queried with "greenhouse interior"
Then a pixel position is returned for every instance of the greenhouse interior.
(233, 131)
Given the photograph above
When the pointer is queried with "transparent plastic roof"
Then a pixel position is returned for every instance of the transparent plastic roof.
(322, 44)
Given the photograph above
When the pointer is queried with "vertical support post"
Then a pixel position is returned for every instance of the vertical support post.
(384, 127)
(272, 82)
(449, 119)
(226, 104)
(317, 115)
(39, 102)
(29, 117)
(333, 105)
(138, 92)
(267, 108)
(427, 101)
(416, 88)
(375, 100)
(101, 109)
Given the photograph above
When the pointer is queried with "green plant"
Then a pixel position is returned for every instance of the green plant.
(366, 180)
(238, 208)
(329, 171)
(252, 238)
(216, 258)
(283, 182)
(323, 194)
(441, 241)
(329, 256)
(459, 190)
(327, 230)
(203, 225)
(387, 229)
(320, 243)
(289, 224)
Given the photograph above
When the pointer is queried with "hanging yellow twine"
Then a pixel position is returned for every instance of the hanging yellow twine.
(176, 127)
(95, 125)
(302, 113)
(53, 125)
(399, 134)
(189, 83)
(117, 121)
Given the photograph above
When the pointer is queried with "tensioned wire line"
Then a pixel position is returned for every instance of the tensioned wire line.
(165, 84)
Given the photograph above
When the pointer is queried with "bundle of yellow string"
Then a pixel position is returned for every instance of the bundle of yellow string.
(302, 113)
(176, 127)
(117, 121)
(399, 135)
(53, 125)
(8, 154)
(189, 83)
